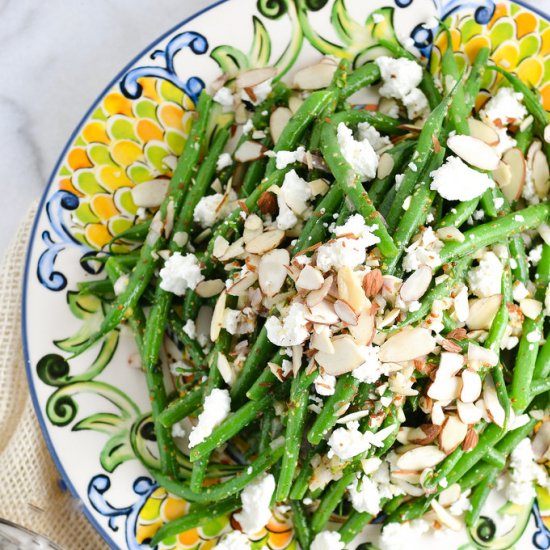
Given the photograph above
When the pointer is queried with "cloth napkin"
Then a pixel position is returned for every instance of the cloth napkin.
(31, 492)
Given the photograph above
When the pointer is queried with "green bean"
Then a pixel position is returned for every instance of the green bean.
(517, 252)
(102, 288)
(196, 517)
(458, 214)
(299, 521)
(293, 131)
(494, 458)
(542, 365)
(351, 185)
(265, 382)
(266, 431)
(297, 413)
(494, 231)
(301, 483)
(332, 496)
(361, 78)
(180, 408)
(279, 95)
(144, 269)
(488, 203)
(411, 510)
(192, 347)
(353, 525)
(479, 496)
(538, 386)
(136, 233)
(383, 123)
(255, 171)
(524, 138)
(344, 392)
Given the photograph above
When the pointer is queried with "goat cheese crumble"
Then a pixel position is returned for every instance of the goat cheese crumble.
(325, 384)
(292, 200)
(180, 273)
(524, 472)
(292, 330)
(256, 501)
(485, 279)
(371, 370)
(348, 442)
(398, 536)
(424, 250)
(224, 160)
(456, 181)
(360, 155)
(284, 158)
(372, 135)
(235, 540)
(217, 406)
(212, 207)
(259, 93)
(224, 97)
(327, 540)
(505, 107)
(400, 76)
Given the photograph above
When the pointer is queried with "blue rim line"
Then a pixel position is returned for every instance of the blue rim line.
(27, 271)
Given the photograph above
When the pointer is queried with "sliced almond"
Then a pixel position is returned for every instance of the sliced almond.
(419, 458)
(297, 355)
(541, 174)
(234, 250)
(365, 329)
(240, 286)
(515, 161)
(253, 77)
(294, 103)
(310, 279)
(535, 146)
(408, 488)
(346, 356)
(373, 282)
(482, 131)
(317, 296)
(544, 232)
(480, 355)
(492, 404)
(249, 151)
(470, 441)
(345, 312)
(445, 517)
(315, 76)
(226, 370)
(272, 271)
(323, 314)
(220, 247)
(217, 317)
(277, 122)
(425, 434)
(468, 412)
(474, 151)
(253, 226)
(150, 194)
(407, 345)
(449, 365)
(265, 242)
(503, 177)
(318, 186)
(321, 341)
(530, 308)
(437, 414)
(444, 389)
(416, 285)
(385, 166)
(207, 289)
(349, 289)
(461, 305)
(450, 233)
(541, 441)
(471, 386)
(482, 312)
(452, 434)
(547, 133)
(449, 495)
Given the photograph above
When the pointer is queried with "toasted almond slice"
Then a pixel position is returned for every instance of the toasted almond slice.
(365, 329)
(452, 434)
(535, 146)
(503, 176)
(249, 150)
(346, 356)
(217, 317)
(272, 271)
(150, 194)
(226, 370)
(310, 279)
(220, 247)
(544, 232)
(474, 151)
(425, 434)
(515, 161)
(297, 355)
(445, 517)
(207, 289)
(253, 77)
(294, 103)
(416, 285)
(317, 296)
(345, 312)
(323, 314)
(471, 386)
(373, 282)
(468, 412)
(438, 416)
(405, 475)
(449, 365)
(541, 174)
(385, 165)
(490, 397)
(253, 226)
(318, 187)
(450, 233)
(444, 389)
(461, 304)
(239, 287)
(349, 289)
(482, 131)
(530, 308)
(265, 242)
(483, 311)
(471, 439)
(419, 458)
(541, 441)
(449, 495)
(478, 354)
(277, 122)
(321, 340)
(234, 250)
(407, 345)
(314, 77)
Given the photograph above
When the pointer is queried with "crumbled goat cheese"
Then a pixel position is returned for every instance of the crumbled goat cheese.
(224, 160)
(292, 331)
(292, 200)
(367, 132)
(524, 471)
(213, 207)
(327, 540)
(261, 91)
(416, 103)
(456, 181)
(180, 273)
(485, 279)
(345, 251)
(348, 442)
(121, 284)
(248, 126)
(190, 329)
(359, 154)
(225, 98)
(256, 500)
(400, 76)
(178, 431)
(461, 505)
(216, 408)
(284, 158)
(529, 192)
(398, 536)
(324, 384)
(505, 106)
(371, 370)
(235, 540)
(534, 336)
(535, 254)
(231, 319)
(425, 250)
(499, 202)
(519, 291)
(399, 180)
(365, 496)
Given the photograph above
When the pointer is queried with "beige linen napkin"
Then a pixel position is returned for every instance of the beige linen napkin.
(30, 490)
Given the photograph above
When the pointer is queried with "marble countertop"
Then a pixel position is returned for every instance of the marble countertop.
(57, 56)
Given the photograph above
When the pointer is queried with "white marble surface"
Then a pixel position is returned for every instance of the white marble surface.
(57, 56)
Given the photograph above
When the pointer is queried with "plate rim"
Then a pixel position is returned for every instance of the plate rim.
(65, 479)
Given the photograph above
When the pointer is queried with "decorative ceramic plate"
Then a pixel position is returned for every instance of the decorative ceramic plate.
(94, 409)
